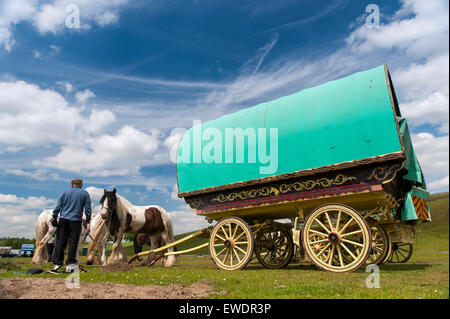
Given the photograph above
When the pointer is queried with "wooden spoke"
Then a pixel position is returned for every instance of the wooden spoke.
(240, 249)
(345, 226)
(338, 221)
(318, 233)
(323, 250)
(318, 241)
(348, 251)
(221, 252)
(329, 221)
(224, 232)
(331, 255)
(359, 231)
(323, 226)
(340, 255)
(352, 242)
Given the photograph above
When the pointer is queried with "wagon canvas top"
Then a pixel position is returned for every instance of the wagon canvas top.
(349, 121)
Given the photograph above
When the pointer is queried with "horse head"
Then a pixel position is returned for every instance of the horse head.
(109, 211)
(109, 204)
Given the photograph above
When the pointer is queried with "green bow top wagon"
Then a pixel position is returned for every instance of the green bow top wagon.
(336, 159)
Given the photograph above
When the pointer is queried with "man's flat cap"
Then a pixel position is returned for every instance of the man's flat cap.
(77, 181)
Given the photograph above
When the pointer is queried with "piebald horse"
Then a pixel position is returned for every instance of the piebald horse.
(122, 217)
(44, 232)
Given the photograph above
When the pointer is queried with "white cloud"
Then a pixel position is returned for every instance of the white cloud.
(439, 184)
(185, 219)
(50, 16)
(419, 28)
(68, 87)
(105, 18)
(120, 154)
(83, 96)
(432, 153)
(95, 193)
(18, 215)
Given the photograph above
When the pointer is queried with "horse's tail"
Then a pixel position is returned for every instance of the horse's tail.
(41, 248)
(95, 233)
(171, 260)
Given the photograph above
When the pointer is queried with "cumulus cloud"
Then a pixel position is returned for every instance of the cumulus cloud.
(120, 154)
(18, 215)
(33, 117)
(185, 219)
(419, 28)
(83, 96)
(432, 153)
(50, 16)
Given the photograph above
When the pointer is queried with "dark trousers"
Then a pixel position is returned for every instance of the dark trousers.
(67, 232)
(50, 247)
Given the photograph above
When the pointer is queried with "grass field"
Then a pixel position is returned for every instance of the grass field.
(426, 275)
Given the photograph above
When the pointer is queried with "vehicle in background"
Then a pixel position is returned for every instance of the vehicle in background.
(27, 250)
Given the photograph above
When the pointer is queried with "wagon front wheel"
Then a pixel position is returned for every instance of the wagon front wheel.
(336, 238)
(231, 244)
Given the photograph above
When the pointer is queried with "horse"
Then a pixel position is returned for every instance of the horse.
(45, 231)
(123, 217)
(142, 239)
(99, 238)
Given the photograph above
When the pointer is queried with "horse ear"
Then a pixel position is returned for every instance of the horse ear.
(104, 190)
(114, 190)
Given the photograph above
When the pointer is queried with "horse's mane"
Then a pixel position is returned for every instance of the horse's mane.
(124, 200)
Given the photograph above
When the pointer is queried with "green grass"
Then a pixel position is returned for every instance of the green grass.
(426, 275)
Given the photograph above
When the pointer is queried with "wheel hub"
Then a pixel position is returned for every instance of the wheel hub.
(228, 243)
(333, 238)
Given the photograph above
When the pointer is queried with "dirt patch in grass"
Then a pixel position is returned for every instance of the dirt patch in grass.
(119, 267)
(55, 288)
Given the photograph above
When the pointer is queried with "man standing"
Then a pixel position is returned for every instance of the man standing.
(70, 205)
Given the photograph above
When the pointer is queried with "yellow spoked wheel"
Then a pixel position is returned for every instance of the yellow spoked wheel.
(401, 253)
(381, 245)
(336, 238)
(274, 249)
(231, 244)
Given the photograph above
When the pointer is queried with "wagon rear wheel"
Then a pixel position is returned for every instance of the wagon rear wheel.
(336, 238)
(401, 253)
(274, 248)
(381, 244)
(231, 244)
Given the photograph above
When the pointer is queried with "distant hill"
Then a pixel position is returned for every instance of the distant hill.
(439, 215)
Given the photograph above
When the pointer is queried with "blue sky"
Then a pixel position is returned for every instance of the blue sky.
(101, 102)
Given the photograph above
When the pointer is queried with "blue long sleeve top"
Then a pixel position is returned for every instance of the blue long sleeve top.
(71, 204)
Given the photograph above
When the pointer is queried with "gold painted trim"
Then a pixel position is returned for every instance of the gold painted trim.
(400, 155)
(283, 188)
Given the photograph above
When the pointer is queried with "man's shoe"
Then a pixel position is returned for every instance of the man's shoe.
(55, 269)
